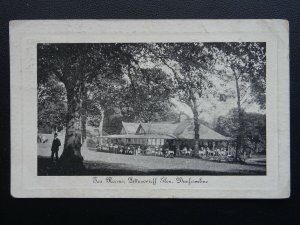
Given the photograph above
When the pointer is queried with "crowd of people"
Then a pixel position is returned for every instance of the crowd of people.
(204, 152)
(166, 151)
(136, 149)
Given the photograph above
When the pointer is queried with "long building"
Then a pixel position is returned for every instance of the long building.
(161, 133)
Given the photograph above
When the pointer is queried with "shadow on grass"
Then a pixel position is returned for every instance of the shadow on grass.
(47, 168)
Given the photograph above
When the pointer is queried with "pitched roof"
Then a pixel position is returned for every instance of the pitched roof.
(182, 130)
(159, 128)
(181, 127)
(186, 131)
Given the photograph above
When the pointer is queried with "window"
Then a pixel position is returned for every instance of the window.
(152, 141)
(161, 141)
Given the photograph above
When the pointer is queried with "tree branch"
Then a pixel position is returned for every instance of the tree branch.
(58, 73)
(130, 77)
(163, 60)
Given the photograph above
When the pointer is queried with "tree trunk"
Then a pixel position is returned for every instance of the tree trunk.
(83, 111)
(71, 158)
(240, 133)
(83, 126)
(101, 126)
(196, 124)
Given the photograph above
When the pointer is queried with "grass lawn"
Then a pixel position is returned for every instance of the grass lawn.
(101, 163)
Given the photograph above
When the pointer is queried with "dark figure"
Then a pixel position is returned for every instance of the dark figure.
(55, 147)
(39, 139)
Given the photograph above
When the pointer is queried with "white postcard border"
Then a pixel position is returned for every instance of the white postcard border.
(24, 35)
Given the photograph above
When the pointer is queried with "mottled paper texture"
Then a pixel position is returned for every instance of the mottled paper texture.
(139, 84)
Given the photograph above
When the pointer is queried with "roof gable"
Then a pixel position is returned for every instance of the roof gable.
(130, 128)
(140, 130)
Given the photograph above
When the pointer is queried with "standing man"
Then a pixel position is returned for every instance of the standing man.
(55, 147)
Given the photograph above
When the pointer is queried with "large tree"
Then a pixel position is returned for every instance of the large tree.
(192, 66)
(77, 66)
(141, 94)
(99, 78)
(245, 64)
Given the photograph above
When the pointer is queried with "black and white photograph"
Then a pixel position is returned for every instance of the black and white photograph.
(167, 109)
(191, 108)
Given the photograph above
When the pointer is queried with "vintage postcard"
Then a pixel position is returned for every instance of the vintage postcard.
(150, 108)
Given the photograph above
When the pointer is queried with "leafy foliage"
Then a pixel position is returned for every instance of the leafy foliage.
(52, 107)
(254, 132)
(245, 62)
(112, 77)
